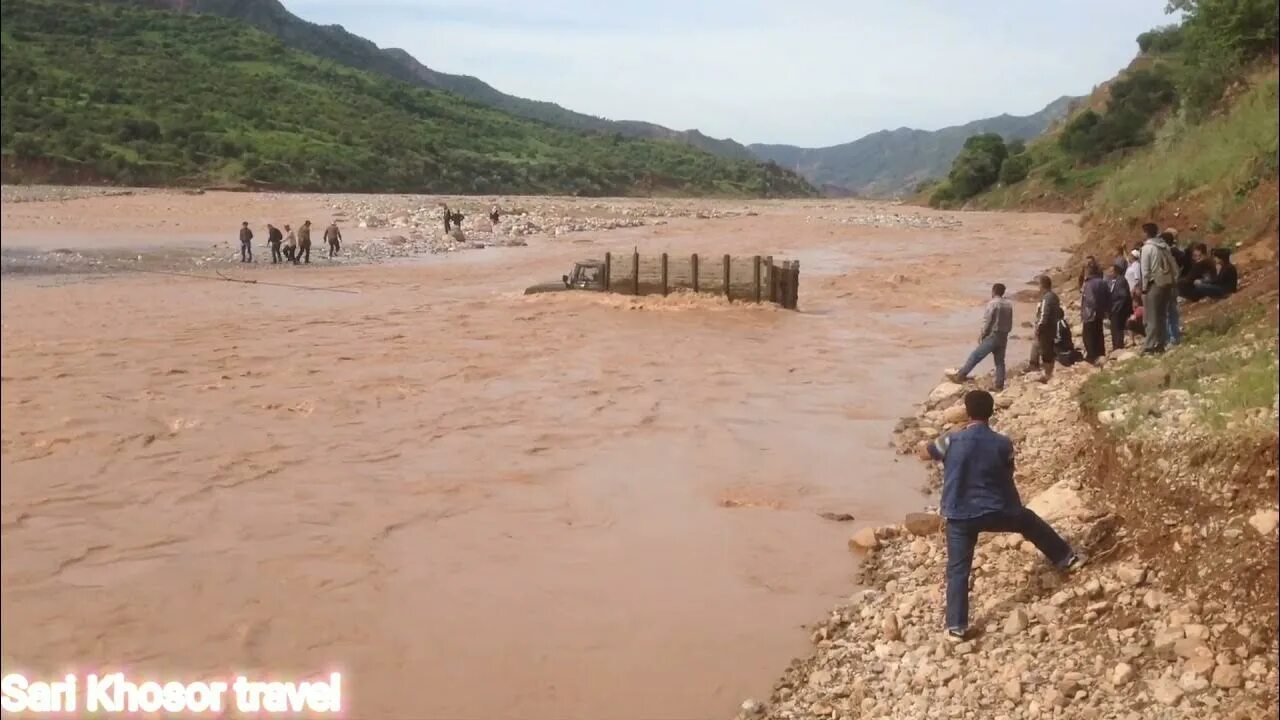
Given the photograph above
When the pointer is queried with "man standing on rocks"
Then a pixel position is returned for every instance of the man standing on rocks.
(1159, 275)
(1120, 304)
(1095, 304)
(1048, 313)
(978, 495)
(246, 242)
(997, 322)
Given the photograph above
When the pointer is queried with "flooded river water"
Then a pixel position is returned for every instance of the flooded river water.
(476, 504)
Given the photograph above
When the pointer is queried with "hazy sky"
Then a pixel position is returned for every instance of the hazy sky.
(802, 72)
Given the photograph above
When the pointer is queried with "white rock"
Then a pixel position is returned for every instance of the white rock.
(1227, 677)
(1122, 674)
(1016, 622)
(1059, 502)
(945, 391)
(1132, 575)
(1165, 691)
(1265, 522)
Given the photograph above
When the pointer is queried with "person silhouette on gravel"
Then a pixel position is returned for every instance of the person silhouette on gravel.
(274, 238)
(246, 242)
(304, 242)
(333, 236)
(979, 495)
(290, 245)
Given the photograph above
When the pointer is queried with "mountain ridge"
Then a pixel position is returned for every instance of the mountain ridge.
(892, 162)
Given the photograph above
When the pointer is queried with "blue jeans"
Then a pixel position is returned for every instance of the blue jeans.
(962, 536)
(1175, 321)
(993, 345)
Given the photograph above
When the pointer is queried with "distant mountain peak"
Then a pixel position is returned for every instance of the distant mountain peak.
(889, 163)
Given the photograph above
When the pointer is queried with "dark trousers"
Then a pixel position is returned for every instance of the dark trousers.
(333, 248)
(291, 254)
(276, 257)
(1094, 339)
(962, 537)
(1119, 320)
(246, 251)
(1156, 311)
(304, 251)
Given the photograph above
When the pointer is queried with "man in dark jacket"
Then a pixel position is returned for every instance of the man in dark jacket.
(274, 238)
(1048, 313)
(246, 242)
(304, 242)
(1121, 304)
(979, 495)
(1095, 304)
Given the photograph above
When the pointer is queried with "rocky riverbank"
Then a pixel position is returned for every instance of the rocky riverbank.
(1138, 632)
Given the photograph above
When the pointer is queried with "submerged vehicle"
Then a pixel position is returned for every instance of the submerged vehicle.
(586, 275)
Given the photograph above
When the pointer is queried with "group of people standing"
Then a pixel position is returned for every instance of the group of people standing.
(1138, 293)
(289, 246)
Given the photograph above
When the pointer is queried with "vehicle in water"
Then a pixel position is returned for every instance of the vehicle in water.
(586, 275)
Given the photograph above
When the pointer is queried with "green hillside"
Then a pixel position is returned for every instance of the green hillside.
(1192, 119)
(336, 43)
(141, 96)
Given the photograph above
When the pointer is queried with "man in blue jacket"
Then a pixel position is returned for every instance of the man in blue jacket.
(978, 495)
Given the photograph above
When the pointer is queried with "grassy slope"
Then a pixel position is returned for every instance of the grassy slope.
(143, 96)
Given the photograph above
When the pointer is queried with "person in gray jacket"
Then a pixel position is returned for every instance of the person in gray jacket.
(1159, 278)
(997, 322)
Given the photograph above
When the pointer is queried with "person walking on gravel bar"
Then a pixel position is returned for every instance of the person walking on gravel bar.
(333, 236)
(997, 322)
(304, 242)
(978, 495)
(246, 242)
(274, 238)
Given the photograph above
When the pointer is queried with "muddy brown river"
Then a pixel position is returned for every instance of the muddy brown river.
(474, 503)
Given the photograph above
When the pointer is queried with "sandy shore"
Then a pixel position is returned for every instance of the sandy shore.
(521, 507)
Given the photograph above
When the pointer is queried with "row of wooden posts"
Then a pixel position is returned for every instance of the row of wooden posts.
(773, 283)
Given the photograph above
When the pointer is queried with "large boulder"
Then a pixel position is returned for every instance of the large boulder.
(921, 524)
(1058, 503)
(864, 539)
(945, 391)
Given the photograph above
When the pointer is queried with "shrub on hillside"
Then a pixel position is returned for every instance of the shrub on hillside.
(1219, 38)
(1015, 169)
(1165, 39)
(1134, 101)
(977, 167)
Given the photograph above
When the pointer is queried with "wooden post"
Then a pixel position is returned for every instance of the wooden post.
(795, 284)
(635, 272)
(771, 279)
(694, 260)
(664, 274)
(608, 271)
(784, 283)
(755, 270)
(726, 277)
